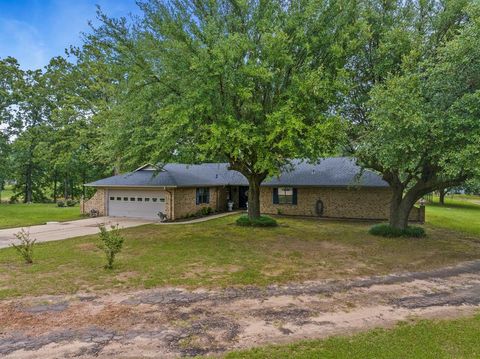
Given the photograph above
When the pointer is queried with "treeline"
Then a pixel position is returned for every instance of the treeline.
(395, 84)
(51, 136)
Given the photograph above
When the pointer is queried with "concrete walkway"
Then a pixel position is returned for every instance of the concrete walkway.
(63, 230)
(202, 219)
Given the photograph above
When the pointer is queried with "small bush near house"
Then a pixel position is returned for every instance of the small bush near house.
(71, 203)
(386, 230)
(60, 204)
(263, 221)
(111, 243)
(205, 211)
(25, 247)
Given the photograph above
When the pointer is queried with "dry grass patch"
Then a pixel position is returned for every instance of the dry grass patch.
(219, 254)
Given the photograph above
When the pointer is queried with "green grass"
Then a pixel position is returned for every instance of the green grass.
(457, 214)
(6, 194)
(218, 253)
(423, 340)
(22, 215)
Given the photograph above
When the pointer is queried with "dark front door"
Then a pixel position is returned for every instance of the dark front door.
(242, 196)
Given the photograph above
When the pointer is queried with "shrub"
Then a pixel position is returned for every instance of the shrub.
(71, 202)
(385, 230)
(205, 211)
(25, 248)
(111, 243)
(263, 221)
(60, 204)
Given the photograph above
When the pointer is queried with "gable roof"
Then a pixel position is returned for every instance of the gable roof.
(329, 172)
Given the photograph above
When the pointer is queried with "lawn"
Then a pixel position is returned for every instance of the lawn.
(218, 253)
(460, 214)
(423, 340)
(6, 194)
(22, 215)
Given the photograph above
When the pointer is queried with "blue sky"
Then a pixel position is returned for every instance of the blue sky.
(33, 31)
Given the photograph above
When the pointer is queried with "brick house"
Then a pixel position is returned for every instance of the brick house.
(334, 188)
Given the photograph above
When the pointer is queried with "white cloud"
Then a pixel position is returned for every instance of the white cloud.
(22, 41)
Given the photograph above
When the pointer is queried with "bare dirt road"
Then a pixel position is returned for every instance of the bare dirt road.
(171, 322)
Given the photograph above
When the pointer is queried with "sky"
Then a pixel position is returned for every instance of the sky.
(33, 31)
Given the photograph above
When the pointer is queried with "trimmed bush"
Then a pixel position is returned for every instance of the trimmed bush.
(263, 221)
(385, 230)
(71, 202)
(60, 204)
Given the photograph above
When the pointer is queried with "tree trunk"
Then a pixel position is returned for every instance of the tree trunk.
(72, 189)
(442, 192)
(400, 208)
(55, 189)
(254, 196)
(28, 185)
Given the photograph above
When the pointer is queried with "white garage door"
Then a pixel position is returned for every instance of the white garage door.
(131, 203)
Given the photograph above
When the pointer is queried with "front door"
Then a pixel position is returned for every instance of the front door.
(242, 196)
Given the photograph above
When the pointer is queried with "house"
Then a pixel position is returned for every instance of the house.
(334, 188)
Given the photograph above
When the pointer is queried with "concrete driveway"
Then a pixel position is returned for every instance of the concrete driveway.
(64, 230)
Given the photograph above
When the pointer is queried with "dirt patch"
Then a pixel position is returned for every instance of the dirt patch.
(87, 247)
(172, 322)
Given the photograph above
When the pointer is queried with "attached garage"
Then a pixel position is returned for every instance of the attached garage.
(136, 203)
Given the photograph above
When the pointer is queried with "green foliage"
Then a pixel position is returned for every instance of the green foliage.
(262, 221)
(205, 211)
(111, 243)
(423, 131)
(26, 245)
(385, 230)
(70, 202)
(248, 83)
(61, 203)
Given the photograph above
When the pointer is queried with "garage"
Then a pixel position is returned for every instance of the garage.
(139, 204)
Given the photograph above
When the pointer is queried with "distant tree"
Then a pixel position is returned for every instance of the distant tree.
(253, 83)
(424, 130)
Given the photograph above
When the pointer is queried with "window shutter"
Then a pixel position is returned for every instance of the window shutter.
(294, 196)
(197, 195)
(275, 196)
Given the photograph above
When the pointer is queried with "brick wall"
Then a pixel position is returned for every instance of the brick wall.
(362, 203)
(98, 202)
(185, 201)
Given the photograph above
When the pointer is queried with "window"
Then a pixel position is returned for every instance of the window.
(285, 195)
(132, 199)
(147, 199)
(139, 199)
(203, 195)
(112, 198)
(119, 198)
(162, 199)
(154, 199)
(125, 199)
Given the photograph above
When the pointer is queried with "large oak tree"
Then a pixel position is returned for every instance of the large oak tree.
(254, 83)
(424, 125)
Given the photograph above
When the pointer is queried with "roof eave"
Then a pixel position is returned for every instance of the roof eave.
(127, 186)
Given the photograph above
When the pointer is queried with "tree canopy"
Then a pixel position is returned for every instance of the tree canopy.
(423, 132)
(251, 83)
